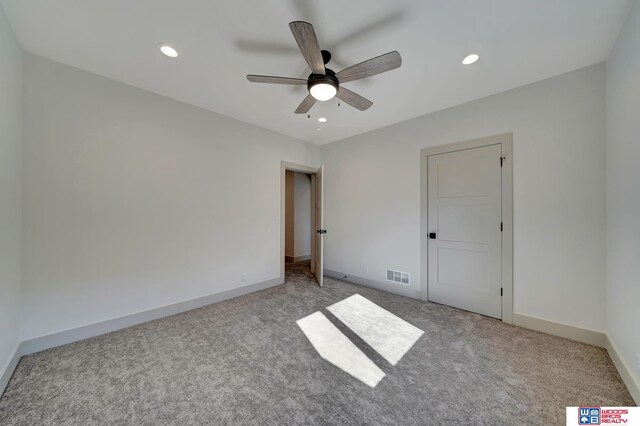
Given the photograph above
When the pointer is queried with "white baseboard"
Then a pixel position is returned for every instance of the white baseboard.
(80, 333)
(48, 341)
(562, 330)
(68, 336)
(297, 258)
(578, 334)
(550, 327)
(629, 379)
(399, 289)
(9, 368)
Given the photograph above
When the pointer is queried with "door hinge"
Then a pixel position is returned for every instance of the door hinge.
(501, 227)
(500, 291)
(502, 159)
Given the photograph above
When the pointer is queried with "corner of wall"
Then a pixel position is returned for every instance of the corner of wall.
(626, 372)
(623, 202)
(11, 199)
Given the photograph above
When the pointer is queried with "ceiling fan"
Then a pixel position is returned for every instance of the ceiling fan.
(323, 83)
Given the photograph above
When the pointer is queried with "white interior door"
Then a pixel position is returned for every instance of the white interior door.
(465, 247)
(320, 231)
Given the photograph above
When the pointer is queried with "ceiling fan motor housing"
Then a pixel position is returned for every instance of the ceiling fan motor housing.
(330, 78)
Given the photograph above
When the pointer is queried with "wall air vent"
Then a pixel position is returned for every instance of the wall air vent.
(399, 277)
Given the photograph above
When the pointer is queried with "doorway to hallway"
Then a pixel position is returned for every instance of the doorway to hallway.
(297, 217)
(302, 220)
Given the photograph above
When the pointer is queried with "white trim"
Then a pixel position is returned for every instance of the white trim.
(629, 379)
(80, 333)
(397, 288)
(297, 258)
(506, 142)
(590, 337)
(567, 331)
(507, 232)
(68, 336)
(9, 368)
(314, 224)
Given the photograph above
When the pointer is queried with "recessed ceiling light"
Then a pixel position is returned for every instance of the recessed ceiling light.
(168, 51)
(470, 59)
(322, 120)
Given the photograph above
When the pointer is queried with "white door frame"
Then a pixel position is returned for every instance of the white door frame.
(284, 166)
(506, 142)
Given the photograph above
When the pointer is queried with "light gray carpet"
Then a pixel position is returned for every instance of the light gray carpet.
(245, 361)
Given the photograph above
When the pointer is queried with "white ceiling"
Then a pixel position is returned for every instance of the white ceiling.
(520, 41)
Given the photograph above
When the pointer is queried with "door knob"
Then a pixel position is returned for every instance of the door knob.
(432, 235)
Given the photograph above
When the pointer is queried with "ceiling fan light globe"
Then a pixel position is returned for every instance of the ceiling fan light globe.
(323, 91)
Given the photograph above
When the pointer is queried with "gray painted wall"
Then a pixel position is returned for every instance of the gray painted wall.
(302, 211)
(623, 195)
(289, 214)
(372, 196)
(133, 201)
(10, 192)
(297, 214)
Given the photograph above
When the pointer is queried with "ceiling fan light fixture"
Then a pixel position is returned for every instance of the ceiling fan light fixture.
(323, 91)
(323, 83)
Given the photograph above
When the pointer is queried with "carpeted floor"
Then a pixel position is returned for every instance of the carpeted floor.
(245, 361)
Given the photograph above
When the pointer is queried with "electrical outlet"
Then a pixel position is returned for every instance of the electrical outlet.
(243, 277)
(366, 269)
(638, 363)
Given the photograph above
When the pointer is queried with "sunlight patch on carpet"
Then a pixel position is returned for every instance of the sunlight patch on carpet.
(336, 348)
(389, 335)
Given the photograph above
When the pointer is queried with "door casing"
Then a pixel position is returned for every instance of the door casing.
(310, 170)
(506, 143)
(317, 218)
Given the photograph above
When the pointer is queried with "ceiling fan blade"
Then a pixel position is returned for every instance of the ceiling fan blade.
(353, 99)
(371, 67)
(308, 43)
(275, 80)
(306, 105)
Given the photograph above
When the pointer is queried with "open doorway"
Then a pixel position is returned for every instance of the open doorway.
(297, 220)
(297, 217)
(302, 230)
